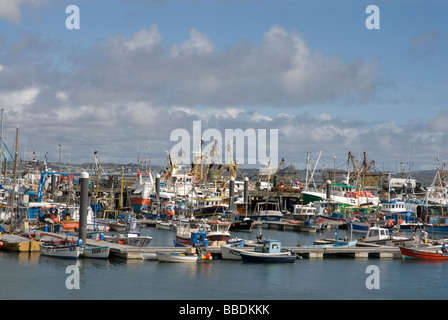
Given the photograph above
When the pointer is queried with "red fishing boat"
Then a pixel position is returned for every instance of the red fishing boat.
(434, 254)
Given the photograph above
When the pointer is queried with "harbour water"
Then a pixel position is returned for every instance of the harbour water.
(34, 277)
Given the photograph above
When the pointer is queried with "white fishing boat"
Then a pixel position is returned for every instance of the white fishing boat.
(71, 251)
(306, 216)
(381, 236)
(118, 226)
(96, 252)
(132, 236)
(149, 255)
(177, 257)
(229, 252)
(166, 225)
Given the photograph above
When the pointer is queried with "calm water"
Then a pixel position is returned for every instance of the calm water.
(31, 276)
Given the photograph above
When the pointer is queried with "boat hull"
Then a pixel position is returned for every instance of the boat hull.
(283, 257)
(61, 251)
(176, 257)
(233, 253)
(436, 228)
(243, 225)
(165, 225)
(409, 253)
(96, 252)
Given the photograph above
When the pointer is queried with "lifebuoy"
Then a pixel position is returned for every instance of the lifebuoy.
(181, 184)
(326, 210)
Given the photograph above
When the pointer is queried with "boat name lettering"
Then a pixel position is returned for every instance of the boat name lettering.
(234, 252)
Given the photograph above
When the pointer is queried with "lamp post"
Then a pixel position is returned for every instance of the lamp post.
(60, 146)
(334, 168)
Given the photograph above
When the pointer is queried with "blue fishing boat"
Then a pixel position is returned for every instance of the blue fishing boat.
(362, 225)
(271, 251)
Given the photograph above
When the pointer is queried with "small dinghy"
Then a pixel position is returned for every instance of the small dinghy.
(70, 251)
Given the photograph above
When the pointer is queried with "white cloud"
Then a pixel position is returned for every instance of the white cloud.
(11, 9)
(198, 43)
(145, 39)
(19, 98)
(132, 87)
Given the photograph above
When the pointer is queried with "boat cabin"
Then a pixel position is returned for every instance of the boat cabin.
(377, 233)
(209, 202)
(267, 206)
(394, 206)
(219, 226)
(271, 246)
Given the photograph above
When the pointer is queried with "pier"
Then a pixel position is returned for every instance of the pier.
(375, 252)
(348, 252)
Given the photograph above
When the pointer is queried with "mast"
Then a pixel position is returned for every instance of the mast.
(14, 179)
(1, 141)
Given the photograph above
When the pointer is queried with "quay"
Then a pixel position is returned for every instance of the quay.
(348, 252)
(131, 252)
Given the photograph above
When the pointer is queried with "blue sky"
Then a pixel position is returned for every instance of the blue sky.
(138, 69)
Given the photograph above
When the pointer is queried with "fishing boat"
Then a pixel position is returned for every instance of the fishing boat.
(70, 251)
(189, 231)
(219, 231)
(57, 238)
(165, 225)
(305, 216)
(359, 225)
(270, 252)
(117, 226)
(344, 194)
(439, 253)
(395, 210)
(209, 206)
(328, 212)
(242, 225)
(132, 236)
(140, 195)
(232, 252)
(266, 211)
(96, 252)
(382, 236)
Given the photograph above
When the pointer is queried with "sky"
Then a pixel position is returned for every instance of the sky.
(135, 72)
